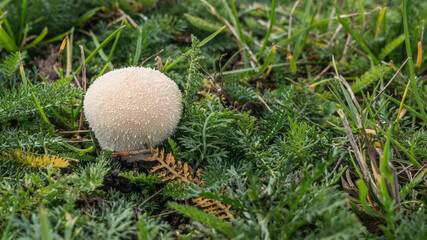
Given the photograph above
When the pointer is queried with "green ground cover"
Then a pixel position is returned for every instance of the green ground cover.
(301, 120)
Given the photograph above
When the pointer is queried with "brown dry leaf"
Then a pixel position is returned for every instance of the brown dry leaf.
(169, 169)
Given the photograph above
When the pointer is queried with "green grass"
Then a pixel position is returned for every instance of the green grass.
(318, 135)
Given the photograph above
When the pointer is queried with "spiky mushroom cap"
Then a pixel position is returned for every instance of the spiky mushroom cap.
(132, 107)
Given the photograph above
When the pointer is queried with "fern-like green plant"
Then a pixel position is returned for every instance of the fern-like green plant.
(10, 64)
(19, 103)
(374, 74)
(387, 49)
(194, 77)
(142, 179)
(202, 24)
(209, 219)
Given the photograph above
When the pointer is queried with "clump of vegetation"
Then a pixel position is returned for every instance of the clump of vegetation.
(300, 120)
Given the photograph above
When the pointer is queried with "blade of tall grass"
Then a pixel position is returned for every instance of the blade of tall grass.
(363, 189)
(110, 55)
(401, 104)
(23, 19)
(270, 27)
(138, 49)
(236, 21)
(404, 105)
(25, 36)
(358, 39)
(408, 154)
(58, 37)
(362, 12)
(379, 21)
(267, 62)
(306, 21)
(417, 180)
(206, 40)
(107, 40)
(87, 15)
(4, 3)
(101, 52)
(411, 64)
(7, 41)
(7, 25)
(419, 57)
(37, 40)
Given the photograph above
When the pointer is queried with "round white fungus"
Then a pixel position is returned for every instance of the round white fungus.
(131, 107)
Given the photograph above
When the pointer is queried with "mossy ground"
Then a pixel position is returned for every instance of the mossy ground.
(302, 120)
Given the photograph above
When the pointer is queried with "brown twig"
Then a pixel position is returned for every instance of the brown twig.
(83, 82)
(154, 55)
(357, 153)
(391, 80)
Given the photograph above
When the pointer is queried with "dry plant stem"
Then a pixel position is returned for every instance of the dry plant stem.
(77, 82)
(154, 55)
(68, 71)
(72, 132)
(213, 11)
(331, 16)
(359, 51)
(357, 153)
(61, 48)
(83, 82)
(116, 21)
(391, 80)
(148, 199)
(339, 160)
(263, 102)
(419, 171)
(159, 63)
(347, 43)
(322, 72)
(334, 36)
(163, 214)
(353, 97)
(123, 16)
(372, 157)
(395, 190)
(290, 22)
(131, 21)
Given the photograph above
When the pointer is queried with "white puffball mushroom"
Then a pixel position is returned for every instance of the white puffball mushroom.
(129, 108)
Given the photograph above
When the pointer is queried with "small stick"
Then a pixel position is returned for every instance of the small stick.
(77, 82)
(263, 102)
(148, 199)
(391, 80)
(339, 160)
(357, 153)
(140, 65)
(84, 84)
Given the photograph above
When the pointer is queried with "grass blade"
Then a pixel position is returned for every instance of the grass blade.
(206, 40)
(110, 55)
(267, 62)
(87, 15)
(379, 21)
(7, 41)
(358, 39)
(270, 27)
(107, 40)
(23, 19)
(411, 64)
(37, 40)
(138, 49)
